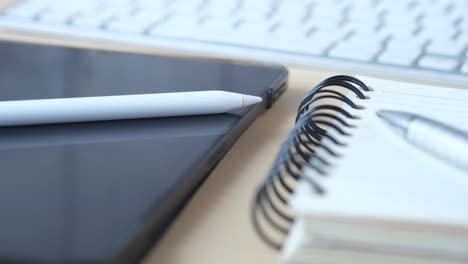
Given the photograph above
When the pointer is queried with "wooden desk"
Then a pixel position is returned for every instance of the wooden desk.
(215, 227)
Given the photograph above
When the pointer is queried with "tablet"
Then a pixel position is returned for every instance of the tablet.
(105, 192)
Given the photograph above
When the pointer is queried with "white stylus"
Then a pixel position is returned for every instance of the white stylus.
(66, 110)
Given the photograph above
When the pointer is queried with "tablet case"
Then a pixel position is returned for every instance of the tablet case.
(104, 192)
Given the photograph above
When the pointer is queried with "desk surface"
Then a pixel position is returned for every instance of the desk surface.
(215, 227)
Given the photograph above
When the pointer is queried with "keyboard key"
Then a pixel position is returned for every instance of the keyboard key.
(222, 33)
(26, 9)
(361, 28)
(336, 34)
(363, 16)
(439, 24)
(56, 17)
(288, 11)
(67, 7)
(411, 42)
(398, 31)
(325, 25)
(438, 63)
(437, 34)
(464, 68)
(326, 12)
(304, 45)
(446, 48)
(316, 45)
(400, 18)
(92, 22)
(464, 25)
(359, 50)
(132, 24)
(363, 39)
(400, 55)
(434, 10)
(188, 28)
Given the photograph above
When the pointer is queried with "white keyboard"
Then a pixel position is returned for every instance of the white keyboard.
(420, 40)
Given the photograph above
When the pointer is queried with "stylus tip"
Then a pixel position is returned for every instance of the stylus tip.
(251, 100)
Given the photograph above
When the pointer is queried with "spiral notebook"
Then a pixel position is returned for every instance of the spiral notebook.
(358, 189)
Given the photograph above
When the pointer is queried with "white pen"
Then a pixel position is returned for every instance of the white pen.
(439, 140)
(100, 108)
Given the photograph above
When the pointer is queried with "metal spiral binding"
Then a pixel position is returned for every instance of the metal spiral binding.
(270, 215)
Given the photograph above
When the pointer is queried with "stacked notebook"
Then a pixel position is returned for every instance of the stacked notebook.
(346, 189)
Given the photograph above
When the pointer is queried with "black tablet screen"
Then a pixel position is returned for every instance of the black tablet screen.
(93, 192)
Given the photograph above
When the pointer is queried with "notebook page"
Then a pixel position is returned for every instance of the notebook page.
(382, 176)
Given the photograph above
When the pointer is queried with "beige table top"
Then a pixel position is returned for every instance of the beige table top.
(215, 227)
